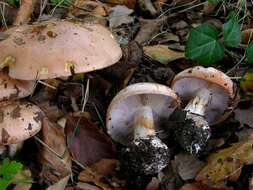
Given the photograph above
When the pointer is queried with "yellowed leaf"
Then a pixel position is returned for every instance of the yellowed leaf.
(227, 163)
(246, 82)
(162, 53)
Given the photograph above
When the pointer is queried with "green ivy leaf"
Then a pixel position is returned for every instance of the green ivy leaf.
(203, 45)
(249, 52)
(214, 1)
(8, 170)
(232, 33)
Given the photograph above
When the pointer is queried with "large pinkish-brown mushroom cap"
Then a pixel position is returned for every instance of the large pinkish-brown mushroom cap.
(19, 121)
(14, 89)
(53, 48)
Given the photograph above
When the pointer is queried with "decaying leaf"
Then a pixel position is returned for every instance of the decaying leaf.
(23, 180)
(88, 144)
(247, 35)
(149, 28)
(99, 172)
(129, 3)
(147, 6)
(187, 166)
(227, 163)
(209, 7)
(162, 53)
(119, 15)
(54, 153)
(244, 116)
(199, 186)
(60, 185)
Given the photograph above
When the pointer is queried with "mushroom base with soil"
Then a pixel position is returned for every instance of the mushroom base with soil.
(146, 156)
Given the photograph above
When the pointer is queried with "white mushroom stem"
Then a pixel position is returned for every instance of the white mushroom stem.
(199, 103)
(144, 123)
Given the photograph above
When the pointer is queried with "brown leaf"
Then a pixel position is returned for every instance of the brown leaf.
(199, 186)
(148, 28)
(99, 171)
(247, 35)
(209, 8)
(88, 144)
(129, 3)
(153, 184)
(119, 15)
(162, 53)
(54, 139)
(23, 175)
(60, 185)
(180, 2)
(227, 163)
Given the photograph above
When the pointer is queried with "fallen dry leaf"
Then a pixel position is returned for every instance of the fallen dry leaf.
(89, 144)
(153, 184)
(23, 180)
(60, 185)
(247, 35)
(162, 53)
(54, 138)
(181, 2)
(244, 116)
(87, 186)
(129, 3)
(147, 6)
(199, 186)
(187, 166)
(209, 8)
(119, 15)
(227, 163)
(246, 83)
(99, 171)
(149, 28)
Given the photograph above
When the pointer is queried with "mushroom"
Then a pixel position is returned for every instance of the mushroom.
(53, 49)
(210, 96)
(134, 116)
(11, 89)
(19, 120)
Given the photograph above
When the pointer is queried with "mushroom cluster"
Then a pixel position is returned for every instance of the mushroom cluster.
(135, 114)
(45, 50)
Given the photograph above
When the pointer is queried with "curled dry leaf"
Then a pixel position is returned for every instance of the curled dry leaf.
(227, 163)
(88, 144)
(25, 10)
(162, 53)
(247, 35)
(101, 170)
(54, 153)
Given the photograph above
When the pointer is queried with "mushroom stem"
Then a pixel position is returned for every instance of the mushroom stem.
(144, 123)
(198, 104)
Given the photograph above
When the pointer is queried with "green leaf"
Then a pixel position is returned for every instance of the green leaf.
(249, 52)
(232, 33)
(203, 45)
(214, 1)
(8, 170)
(14, 3)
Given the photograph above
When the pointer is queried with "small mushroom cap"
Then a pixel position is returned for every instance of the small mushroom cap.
(11, 89)
(19, 121)
(124, 106)
(53, 49)
(224, 93)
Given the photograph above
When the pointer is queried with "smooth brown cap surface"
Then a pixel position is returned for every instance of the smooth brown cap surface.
(53, 48)
(11, 89)
(224, 93)
(19, 121)
(126, 104)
